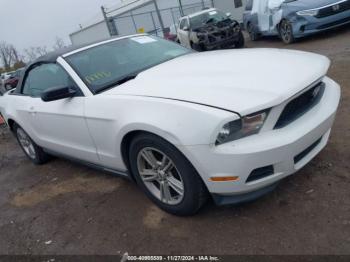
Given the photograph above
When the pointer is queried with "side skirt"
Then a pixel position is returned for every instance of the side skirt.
(119, 173)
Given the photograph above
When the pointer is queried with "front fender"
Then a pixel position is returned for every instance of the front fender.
(111, 117)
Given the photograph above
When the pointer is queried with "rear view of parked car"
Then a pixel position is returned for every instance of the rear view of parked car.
(5, 76)
(208, 30)
(292, 19)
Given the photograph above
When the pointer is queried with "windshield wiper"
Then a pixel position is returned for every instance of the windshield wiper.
(118, 82)
(126, 79)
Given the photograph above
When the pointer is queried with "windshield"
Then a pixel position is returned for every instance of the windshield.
(113, 63)
(214, 16)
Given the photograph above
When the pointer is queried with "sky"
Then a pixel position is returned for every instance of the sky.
(26, 23)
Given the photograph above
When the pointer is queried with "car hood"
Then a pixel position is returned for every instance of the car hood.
(307, 4)
(243, 81)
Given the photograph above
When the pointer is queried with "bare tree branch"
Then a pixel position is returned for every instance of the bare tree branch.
(42, 50)
(33, 53)
(59, 43)
(6, 54)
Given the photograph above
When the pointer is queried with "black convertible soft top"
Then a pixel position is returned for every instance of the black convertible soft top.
(52, 58)
(48, 58)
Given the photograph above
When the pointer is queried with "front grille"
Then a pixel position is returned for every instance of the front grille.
(334, 9)
(303, 154)
(335, 23)
(300, 105)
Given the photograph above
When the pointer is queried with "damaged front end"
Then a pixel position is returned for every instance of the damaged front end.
(223, 34)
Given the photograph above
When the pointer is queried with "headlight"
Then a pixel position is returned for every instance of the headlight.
(308, 13)
(246, 126)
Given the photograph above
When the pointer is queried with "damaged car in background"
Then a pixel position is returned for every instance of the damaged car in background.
(292, 19)
(208, 30)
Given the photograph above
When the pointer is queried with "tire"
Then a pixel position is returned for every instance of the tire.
(285, 30)
(8, 87)
(178, 172)
(253, 35)
(240, 42)
(34, 152)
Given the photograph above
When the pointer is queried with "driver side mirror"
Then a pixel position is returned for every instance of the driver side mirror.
(57, 93)
(228, 14)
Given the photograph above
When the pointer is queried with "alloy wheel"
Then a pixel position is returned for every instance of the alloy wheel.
(286, 32)
(26, 143)
(160, 175)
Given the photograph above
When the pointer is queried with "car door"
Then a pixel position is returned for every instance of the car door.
(60, 125)
(184, 32)
(264, 16)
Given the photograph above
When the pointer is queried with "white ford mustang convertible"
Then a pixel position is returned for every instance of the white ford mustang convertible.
(183, 125)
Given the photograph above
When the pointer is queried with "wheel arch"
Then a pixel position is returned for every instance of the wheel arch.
(124, 149)
(11, 123)
(128, 137)
(280, 22)
(131, 133)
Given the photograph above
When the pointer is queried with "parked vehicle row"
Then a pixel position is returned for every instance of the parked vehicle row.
(10, 80)
(212, 29)
(5, 76)
(209, 131)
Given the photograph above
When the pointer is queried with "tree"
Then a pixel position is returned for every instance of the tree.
(33, 53)
(16, 57)
(6, 54)
(41, 50)
(10, 56)
(18, 65)
(59, 43)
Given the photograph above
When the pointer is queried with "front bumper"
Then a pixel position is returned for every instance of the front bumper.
(308, 25)
(220, 42)
(271, 147)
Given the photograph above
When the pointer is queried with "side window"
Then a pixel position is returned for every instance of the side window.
(187, 24)
(182, 23)
(44, 77)
(238, 3)
(249, 5)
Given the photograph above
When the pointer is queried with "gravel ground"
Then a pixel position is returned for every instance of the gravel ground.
(66, 208)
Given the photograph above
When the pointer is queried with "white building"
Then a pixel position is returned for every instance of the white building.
(137, 16)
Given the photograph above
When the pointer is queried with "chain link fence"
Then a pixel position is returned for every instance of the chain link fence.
(145, 19)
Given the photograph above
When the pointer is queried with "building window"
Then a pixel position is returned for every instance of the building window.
(249, 5)
(238, 3)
